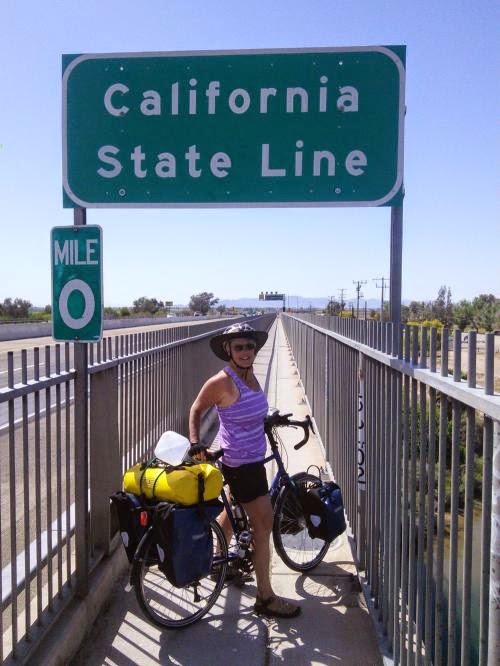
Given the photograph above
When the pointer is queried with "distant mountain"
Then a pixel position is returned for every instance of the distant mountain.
(297, 302)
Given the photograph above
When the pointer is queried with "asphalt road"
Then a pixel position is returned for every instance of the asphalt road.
(66, 361)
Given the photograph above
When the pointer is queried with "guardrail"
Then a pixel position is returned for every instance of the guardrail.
(416, 451)
(139, 385)
(19, 330)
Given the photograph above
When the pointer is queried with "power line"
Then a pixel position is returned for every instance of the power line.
(342, 302)
(359, 284)
(384, 282)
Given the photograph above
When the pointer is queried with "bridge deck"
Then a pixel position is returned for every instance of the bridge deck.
(335, 625)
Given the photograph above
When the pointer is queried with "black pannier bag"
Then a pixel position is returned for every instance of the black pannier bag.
(324, 511)
(184, 542)
(128, 509)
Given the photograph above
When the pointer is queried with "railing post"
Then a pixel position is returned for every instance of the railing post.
(361, 485)
(105, 463)
(494, 606)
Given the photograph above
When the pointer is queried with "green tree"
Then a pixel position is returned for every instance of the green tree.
(415, 311)
(463, 314)
(15, 309)
(486, 311)
(148, 305)
(202, 302)
(438, 306)
(333, 308)
(448, 310)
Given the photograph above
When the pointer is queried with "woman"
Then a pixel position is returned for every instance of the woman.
(242, 406)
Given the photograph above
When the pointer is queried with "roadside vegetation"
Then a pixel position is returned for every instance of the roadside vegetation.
(19, 310)
(482, 313)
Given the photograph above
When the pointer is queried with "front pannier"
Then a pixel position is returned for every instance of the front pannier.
(324, 511)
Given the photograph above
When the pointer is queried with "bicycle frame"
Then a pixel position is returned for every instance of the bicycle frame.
(280, 479)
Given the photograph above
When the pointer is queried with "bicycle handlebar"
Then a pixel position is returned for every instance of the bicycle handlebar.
(277, 420)
(274, 419)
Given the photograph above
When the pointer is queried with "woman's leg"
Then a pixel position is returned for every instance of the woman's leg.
(260, 513)
(225, 524)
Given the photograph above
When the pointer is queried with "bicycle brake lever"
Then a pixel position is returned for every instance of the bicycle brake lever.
(310, 424)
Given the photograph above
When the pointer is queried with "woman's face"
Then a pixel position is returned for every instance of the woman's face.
(243, 351)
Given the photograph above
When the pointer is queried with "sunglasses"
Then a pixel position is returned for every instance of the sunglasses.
(249, 346)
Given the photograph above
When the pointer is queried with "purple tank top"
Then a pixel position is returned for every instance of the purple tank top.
(241, 432)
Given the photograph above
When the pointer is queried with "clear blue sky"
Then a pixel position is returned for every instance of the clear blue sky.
(451, 222)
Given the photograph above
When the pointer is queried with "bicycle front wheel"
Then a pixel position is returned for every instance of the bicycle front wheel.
(177, 607)
(291, 538)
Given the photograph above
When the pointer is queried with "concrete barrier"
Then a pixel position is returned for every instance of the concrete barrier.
(43, 329)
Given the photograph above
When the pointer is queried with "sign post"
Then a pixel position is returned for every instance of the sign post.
(77, 303)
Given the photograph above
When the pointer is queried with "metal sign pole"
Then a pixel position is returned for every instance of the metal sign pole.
(395, 277)
(82, 522)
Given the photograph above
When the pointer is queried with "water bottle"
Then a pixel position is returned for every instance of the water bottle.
(239, 516)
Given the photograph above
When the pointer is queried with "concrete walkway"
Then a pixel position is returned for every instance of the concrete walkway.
(335, 626)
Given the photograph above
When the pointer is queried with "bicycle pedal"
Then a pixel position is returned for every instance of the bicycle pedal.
(241, 578)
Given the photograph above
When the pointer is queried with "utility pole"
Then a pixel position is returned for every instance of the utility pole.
(382, 286)
(359, 284)
(342, 302)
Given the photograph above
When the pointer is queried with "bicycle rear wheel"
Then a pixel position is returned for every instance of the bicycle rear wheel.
(176, 607)
(291, 538)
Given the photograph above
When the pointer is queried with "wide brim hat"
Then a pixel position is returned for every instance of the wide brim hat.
(236, 331)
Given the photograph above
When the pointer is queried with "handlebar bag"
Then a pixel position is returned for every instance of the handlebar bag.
(184, 540)
(324, 511)
(128, 508)
(178, 484)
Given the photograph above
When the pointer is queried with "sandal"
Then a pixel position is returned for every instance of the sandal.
(285, 609)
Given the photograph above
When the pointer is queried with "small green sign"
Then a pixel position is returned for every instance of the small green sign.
(314, 127)
(77, 302)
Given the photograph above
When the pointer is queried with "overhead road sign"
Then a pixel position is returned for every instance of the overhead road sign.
(271, 296)
(297, 127)
(77, 302)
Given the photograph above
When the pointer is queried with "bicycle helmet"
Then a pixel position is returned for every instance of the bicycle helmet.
(240, 330)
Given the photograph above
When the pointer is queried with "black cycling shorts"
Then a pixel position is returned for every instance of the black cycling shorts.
(247, 482)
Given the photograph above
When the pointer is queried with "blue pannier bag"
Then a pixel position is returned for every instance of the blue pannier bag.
(184, 540)
(324, 511)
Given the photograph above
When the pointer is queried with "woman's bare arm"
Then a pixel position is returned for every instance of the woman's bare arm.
(210, 394)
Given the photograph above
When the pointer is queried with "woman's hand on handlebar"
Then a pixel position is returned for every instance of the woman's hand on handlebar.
(201, 453)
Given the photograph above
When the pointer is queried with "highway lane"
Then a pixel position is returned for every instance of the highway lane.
(66, 362)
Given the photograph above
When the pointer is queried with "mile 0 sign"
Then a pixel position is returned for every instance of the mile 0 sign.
(312, 127)
(77, 302)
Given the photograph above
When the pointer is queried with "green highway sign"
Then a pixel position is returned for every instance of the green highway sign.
(299, 127)
(77, 302)
(271, 296)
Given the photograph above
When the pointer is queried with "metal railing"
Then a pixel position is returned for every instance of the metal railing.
(139, 385)
(412, 445)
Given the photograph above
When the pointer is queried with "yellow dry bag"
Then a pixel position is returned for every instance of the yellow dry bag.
(174, 484)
